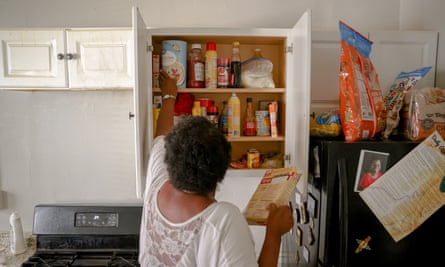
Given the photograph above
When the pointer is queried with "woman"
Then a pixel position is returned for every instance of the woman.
(182, 223)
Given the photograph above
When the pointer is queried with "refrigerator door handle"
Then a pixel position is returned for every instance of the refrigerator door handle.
(343, 210)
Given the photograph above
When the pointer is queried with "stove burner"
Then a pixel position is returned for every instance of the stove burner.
(66, 259)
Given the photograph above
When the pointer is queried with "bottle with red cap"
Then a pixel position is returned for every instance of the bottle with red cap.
(249, 127)
(211, 67)
(195, 69)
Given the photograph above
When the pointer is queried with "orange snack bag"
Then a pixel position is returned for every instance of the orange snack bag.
(362, 109)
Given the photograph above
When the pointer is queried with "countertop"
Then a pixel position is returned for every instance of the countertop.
(7, 259)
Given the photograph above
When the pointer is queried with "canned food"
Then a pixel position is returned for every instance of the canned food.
(253, 158)
(174, 60)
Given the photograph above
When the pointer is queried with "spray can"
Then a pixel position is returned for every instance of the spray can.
(211, 70)
(17, 238)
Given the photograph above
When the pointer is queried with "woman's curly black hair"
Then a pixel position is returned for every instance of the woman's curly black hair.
(197, 155)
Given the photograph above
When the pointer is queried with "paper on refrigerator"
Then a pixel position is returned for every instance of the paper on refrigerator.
(276, 186)
(412, 190)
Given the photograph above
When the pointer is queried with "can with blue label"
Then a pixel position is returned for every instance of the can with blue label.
(174, 60)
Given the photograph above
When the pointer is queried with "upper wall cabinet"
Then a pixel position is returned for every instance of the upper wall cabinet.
(61, 59)
(29, 58)
(392, 52)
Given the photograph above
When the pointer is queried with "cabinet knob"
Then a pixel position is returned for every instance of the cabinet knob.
(68, 56)
(130, 115)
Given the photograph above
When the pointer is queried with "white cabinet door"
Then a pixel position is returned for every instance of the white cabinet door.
(100, 58)
(142, 95)
(393, 52)
(298, 70)
(28, 58)
(325, 66)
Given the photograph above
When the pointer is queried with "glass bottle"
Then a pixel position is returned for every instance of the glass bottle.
(196, 67)
(249, 127)
(235, 67)
(224, 120)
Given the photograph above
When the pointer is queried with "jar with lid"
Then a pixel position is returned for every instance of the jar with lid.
(223, 72)
(196, 66)
(212, 115)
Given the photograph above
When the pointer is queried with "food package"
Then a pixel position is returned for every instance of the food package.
(425, 113)
(325, 124)
(256, 72)
(362, 110)
(396, 95)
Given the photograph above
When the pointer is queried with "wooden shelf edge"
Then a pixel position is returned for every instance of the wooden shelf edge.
(227, 90)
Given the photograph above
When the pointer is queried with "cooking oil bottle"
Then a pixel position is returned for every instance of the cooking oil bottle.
(234, 106)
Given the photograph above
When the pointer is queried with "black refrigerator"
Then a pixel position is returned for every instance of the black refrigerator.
(346, 224)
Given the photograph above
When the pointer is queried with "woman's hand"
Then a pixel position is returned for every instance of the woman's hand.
(279, 222)
(167, 84)
(280, 219)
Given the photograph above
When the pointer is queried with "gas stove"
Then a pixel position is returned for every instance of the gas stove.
(86, 235)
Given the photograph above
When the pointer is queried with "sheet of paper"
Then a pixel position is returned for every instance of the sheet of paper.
(412, 190)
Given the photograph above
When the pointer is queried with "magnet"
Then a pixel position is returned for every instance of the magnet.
(299, 236)
(303, 214)
(297, 257)
(363, 244)
(312, 205)
(311, 237)
(306, 254)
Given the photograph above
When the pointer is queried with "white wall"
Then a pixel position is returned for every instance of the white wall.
(82, 142)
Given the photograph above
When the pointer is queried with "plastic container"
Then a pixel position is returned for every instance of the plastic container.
(211, 65)
(234, 127)
(174, 60)
(196, 110)
(17, 238)
(195, 69)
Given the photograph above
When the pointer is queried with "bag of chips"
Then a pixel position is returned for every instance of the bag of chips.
(396, 96)
(362, 110)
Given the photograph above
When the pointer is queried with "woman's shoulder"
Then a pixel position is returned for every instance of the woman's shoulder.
(226, 213)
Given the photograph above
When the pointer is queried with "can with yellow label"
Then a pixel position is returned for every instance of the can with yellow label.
(253, 158)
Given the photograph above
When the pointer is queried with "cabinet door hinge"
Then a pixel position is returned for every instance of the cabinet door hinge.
(150, 48)
(287, 157)
(290, 49)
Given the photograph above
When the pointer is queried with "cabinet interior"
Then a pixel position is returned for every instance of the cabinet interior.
(272, 48)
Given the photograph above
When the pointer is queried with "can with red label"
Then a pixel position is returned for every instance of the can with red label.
(253, 158)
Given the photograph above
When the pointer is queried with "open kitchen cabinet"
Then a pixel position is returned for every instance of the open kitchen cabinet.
(290, 52)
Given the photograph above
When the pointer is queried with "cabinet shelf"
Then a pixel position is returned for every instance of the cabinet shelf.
(228, 90)
(256, 139)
